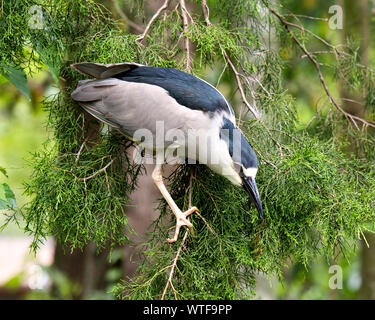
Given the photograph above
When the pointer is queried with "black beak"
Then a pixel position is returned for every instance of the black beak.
(252, 189)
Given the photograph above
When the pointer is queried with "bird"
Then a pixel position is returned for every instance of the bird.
(133, 98)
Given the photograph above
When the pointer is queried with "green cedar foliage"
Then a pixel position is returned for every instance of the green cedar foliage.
(7, 197)
(317, 199)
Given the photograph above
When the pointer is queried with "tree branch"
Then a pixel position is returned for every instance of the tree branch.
(291, 24)
(349, 116)
(206, 12)
(81, 148)
(185, 15)
(125, 18)
(264, 159)
(306, 17)
(174, 264)
(257, 247)
(240, 87)
(154, 17)
(173, 267)
(96, 173)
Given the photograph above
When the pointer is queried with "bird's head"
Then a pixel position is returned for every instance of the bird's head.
(245, 162)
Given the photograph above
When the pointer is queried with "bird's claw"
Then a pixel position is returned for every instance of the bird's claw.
(182, 220)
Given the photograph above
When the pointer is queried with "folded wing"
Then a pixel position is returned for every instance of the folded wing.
(130, 106)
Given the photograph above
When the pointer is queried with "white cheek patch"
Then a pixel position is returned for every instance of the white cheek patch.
(250, 172)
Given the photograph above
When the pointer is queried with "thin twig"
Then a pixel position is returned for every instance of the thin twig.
(291, 24)
(173, 267)
(317, 52)
(190, 188)
(364, 238)
(207, 224)
(206, 12)
(287, 134)
(273, 139)
(174, 264)
(185, 15)
(96, 173)
(316, 113)
(349, 116)
(81, 148)
(257, 249)
(107, 181)
(351, 100)
(264, 159)
(188, 14)
(221, 74)
(176, 9)
(240, 87)
(306, 17)
(253, 78)
(209, 194)
(154, 17)
(125, 18)
(251, 91)
(174, 290)
(253, 110)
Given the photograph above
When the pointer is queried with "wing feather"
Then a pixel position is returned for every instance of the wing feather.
(129, 106)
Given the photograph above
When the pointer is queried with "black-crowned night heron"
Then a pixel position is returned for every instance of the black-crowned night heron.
(181, 113)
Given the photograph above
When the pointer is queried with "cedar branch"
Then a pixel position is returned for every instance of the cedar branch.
(154, 17)
(349, 116)
(81, 148)
(173, 267)
(174, 263)
(240, 87)
(96, 173)
(185, 16)
(253, 110)
(206, 12)
(125, 18)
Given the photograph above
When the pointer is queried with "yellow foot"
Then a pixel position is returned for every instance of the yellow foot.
(182, 221)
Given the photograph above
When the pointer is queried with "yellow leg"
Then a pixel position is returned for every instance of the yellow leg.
(181, 217)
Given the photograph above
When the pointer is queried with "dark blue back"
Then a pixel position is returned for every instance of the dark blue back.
(188, 90)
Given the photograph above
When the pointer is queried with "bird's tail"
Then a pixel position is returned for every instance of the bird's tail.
(103, 71)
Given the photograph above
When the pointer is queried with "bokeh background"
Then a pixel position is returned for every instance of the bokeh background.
(53, 274)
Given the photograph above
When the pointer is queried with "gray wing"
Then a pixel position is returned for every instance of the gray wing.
(130, 106)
